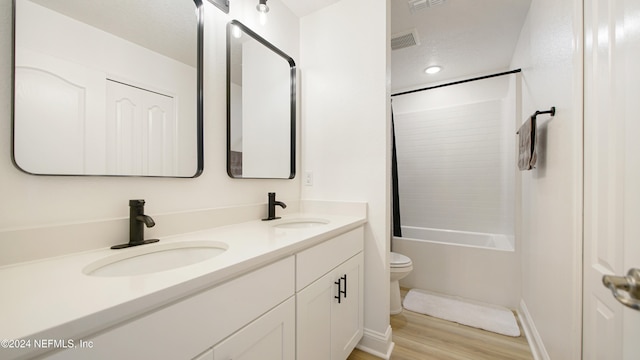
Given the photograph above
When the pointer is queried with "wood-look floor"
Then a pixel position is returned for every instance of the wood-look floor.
(417, 337)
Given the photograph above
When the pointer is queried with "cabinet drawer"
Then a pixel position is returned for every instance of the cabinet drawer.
(312, 263)
(184, 329)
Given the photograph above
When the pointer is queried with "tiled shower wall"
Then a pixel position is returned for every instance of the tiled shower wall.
(456, 167)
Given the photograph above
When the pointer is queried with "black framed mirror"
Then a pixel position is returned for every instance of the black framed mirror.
(109, 88)
(261, 107)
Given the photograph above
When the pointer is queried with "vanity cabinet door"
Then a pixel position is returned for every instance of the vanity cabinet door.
(313, 317)
(270, 337)
(330, 313)
(347, 315)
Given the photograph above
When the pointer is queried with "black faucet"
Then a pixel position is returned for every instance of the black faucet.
(272, 207)
(137, 221)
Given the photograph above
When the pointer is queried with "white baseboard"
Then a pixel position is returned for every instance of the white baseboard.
(533, 337)
(377, 344)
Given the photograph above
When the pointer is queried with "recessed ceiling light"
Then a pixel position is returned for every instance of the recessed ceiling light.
(433, 69)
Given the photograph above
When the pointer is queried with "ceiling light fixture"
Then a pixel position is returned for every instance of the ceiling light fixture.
(433, 69)
(262, 7)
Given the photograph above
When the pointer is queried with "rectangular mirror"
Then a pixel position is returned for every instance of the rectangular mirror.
(261, 107)
(105, 87)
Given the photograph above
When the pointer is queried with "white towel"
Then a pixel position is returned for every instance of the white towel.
(527, 153)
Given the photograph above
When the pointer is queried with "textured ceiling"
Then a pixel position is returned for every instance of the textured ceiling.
(466, 37)
(306, 7)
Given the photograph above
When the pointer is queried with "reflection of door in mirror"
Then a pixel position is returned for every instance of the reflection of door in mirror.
(141, 130)
(106, 88)
(50, 99)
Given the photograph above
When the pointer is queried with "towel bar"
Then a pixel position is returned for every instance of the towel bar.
(551, 111)
(527, 154)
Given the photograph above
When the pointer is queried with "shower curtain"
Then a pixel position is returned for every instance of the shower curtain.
(397, 231)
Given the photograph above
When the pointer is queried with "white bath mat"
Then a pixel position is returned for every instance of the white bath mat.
(467, 312)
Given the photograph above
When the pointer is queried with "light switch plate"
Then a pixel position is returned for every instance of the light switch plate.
(308, 178)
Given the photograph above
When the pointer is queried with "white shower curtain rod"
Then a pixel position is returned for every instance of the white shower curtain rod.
(458, 82)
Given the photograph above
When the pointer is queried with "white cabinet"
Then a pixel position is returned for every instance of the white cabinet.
(272, 337)
(254, 316)
(329, 311)
(190, 326)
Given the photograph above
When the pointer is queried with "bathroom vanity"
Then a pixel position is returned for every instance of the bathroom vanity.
(284, 289)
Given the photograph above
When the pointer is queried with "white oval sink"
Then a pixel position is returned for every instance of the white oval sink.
(301, 223)
(147, 259)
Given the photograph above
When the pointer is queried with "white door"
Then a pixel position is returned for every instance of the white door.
(57, 106)
(611, 174)
(141, 131)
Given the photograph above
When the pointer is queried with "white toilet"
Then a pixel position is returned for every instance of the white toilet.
(401, 266)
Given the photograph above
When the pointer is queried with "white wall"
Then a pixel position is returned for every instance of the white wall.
(346, 127)
(40, 201)
(456, 157)
(549, 53)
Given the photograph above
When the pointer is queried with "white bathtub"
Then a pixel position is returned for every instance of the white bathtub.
(479, 266)
(460, 238)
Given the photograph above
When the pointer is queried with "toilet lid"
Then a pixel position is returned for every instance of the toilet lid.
(399, 259)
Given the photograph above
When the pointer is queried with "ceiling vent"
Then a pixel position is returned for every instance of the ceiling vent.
(417, 5)
(405, 39)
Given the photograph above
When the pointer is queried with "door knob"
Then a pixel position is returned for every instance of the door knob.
(626, 289)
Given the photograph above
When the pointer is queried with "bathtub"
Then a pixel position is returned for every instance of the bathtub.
(460, 238)
(479, 266)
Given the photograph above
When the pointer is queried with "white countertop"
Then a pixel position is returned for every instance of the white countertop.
(54, 299)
